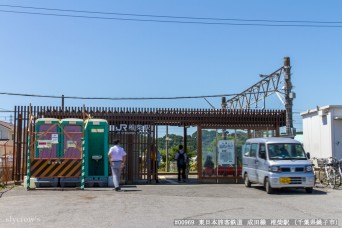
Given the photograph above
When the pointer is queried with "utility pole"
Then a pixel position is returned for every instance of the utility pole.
(224, 108)
(63, 102)
(288, 96)
(167, 148)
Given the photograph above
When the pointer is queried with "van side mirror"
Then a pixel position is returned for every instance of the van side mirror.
(308, 155)
(262, 154)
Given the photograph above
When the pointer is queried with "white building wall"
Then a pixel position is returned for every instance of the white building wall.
(327, 135)
(337, 133)
(5, 133)
(322, 130)
(317, 135)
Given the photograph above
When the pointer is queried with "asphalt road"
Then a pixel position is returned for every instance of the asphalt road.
(163, 205)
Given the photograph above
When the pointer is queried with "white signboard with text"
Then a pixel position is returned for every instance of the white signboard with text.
(54, 138)
(226, 152)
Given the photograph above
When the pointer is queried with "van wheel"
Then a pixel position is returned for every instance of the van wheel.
(247, 182)
(268, 187)
(308, 190)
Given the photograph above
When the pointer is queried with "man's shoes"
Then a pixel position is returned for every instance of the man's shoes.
(118, 189)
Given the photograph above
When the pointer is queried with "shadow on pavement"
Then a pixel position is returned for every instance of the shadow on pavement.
(291, 191)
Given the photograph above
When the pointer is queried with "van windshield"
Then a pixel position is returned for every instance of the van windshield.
(286, 151)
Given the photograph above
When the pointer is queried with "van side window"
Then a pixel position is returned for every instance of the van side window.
(254, 148)
(262, 151)
(247, 150)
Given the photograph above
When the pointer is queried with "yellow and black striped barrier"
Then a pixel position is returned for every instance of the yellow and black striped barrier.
(56, 168)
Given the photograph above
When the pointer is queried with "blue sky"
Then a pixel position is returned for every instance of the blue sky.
(49, 55)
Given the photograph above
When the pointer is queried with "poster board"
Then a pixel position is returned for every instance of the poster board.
(226, 152)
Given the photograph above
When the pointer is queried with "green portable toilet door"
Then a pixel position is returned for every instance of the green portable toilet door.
(96, 153)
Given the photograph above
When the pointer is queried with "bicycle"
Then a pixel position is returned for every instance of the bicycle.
(318, 166)
(331, 177)
(339, 173)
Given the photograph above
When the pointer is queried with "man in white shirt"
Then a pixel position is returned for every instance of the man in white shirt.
(117, 159)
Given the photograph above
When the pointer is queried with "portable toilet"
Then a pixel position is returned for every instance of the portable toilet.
(47, 138)
(47, 148)
(71, 138)
(71, 149)
(96, 150)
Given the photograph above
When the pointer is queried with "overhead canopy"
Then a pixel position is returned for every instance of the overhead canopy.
(235, 118)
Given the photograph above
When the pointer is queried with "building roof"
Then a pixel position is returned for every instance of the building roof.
(321, 108)
(7, 125)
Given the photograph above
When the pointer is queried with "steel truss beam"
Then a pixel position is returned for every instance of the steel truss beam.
(258, 92)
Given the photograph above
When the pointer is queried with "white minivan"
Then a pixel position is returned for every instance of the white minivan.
(277, 162)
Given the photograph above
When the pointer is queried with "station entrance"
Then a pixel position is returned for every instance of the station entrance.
(137, 130)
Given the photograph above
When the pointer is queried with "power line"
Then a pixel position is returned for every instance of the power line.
(168, 16)
(212, 106)
(118, 98)
(111, 98)
(2, 109)
(182, 22)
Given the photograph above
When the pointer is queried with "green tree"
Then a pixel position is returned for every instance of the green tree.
(209, 142)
